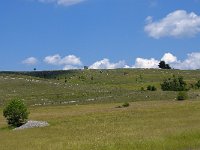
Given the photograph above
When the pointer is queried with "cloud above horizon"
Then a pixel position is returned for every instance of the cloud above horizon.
(106, 64)
(30, 61)
(177, 24)
(62, 2)
(145, 63)
(192, 62)
(69, 62)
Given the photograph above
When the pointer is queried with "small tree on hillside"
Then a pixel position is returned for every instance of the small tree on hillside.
(16, 113)
(163, 65)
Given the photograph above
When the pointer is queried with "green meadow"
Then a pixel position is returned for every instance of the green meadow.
(81, 108)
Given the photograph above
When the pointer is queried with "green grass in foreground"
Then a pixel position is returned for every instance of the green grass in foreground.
(149, 125)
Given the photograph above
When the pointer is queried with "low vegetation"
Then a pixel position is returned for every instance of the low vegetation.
(91, 86)
(147, 121)
(151, 88)
(149, 125)
(182, 95)
(126, 104)
(198, 84)
(174, 84)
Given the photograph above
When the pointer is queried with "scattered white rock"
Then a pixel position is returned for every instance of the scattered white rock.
(32, 124)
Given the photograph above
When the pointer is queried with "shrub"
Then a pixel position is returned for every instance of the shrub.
(174, 84)
(198, 84)
(142, 89)
(16, 113)
(126, 104)
(151, 88)
(182, 95)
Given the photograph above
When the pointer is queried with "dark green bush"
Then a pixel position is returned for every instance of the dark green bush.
(198, 84)
(174, 84)
(182, 95)
(16, 113)
(151, 88)
(126, 104)
(142, 89)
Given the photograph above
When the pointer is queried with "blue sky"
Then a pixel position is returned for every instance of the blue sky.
(68, 34)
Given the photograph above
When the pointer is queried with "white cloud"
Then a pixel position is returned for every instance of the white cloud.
(70, 67)
(30, 61)
(53, 60)
(70, 59)
(169, 58)
(146, 63)
(62, 2)
(106, 64)
(58, 60)
(192, 62)
(176, 24)
(69, 62)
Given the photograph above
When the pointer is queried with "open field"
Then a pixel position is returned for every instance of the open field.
(153, 125)
(90, 86)
(81, 109)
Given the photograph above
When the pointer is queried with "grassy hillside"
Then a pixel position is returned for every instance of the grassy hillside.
(89, 86)
(153, 121)
(150, 125)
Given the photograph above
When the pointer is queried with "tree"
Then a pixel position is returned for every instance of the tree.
(86, 67)
(16, 113)
(163, 65)
(167, 66)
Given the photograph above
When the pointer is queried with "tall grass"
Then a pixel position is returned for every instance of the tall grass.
(153, 125)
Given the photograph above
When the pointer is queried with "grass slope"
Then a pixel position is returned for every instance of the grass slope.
(89, 86)
(153, 125)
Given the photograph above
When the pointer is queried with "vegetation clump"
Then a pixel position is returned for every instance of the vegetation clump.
(198, 84)
(16, 113)
(126, 104)
(151, 88)
(182, 95)
(142, 88)
(174, 84)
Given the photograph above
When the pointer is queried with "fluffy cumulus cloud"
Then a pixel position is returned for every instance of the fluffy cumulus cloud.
(146, 63)
(69, 62)
(192, 62)
(106, 64)
(176, 24)
(169, 58)
(30, 61)
(62, 2)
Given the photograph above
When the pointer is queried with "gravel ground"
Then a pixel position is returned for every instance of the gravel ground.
(32, 124)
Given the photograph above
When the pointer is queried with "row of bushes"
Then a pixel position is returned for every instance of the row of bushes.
(174, 84)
